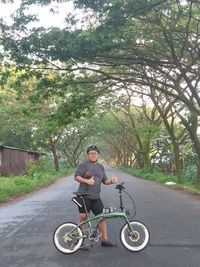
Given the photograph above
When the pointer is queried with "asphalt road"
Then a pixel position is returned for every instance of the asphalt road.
(173, 219)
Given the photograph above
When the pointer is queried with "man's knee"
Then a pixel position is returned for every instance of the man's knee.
(83, 217)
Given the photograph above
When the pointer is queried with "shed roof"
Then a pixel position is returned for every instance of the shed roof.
(20, 149)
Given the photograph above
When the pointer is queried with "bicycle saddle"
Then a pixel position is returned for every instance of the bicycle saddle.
(80, 194)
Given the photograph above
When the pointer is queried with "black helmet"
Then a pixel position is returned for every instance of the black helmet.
(93, 147)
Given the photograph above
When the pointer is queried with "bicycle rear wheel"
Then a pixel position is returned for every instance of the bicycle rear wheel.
(66, 243)
(137, 239)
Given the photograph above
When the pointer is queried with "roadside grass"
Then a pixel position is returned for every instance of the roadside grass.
(170, 180)
(10, 187)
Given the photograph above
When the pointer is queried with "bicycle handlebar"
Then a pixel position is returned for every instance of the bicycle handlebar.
(120, 186)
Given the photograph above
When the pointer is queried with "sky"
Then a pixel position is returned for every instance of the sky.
(47, 18)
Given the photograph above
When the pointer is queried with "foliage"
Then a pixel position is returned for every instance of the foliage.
(34, 170)
(14, 130)
(190, 174)
(43, 120)
(160, 177)
(150, 47)
(11, 187)
(133, 129)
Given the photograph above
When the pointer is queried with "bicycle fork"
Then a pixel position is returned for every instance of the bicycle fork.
(132, 234)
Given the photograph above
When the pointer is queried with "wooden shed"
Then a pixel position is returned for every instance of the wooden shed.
(13, 161)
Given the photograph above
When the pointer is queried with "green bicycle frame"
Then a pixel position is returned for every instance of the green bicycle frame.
(103, 216)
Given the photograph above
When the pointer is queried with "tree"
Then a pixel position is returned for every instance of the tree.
(78, 135)
(169, 110)
(133, 127)
(15, 128)
(118, 142)
(154, 44)
(145, 122)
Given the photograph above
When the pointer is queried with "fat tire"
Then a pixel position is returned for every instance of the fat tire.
(133, 246)
(59, 246)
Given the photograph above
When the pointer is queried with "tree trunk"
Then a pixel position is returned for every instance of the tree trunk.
(55, 156)
(178, 162)
(146, 158)
(198, 175)
(192, 129)
(197, 150)
(170, 129)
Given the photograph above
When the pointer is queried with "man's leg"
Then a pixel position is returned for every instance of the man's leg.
(103, 230)
(105, 242)
(82, 217)
(97, 208)
(82, 211)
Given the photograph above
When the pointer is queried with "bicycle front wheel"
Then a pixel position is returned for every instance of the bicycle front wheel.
(66, 240)
(136, 239)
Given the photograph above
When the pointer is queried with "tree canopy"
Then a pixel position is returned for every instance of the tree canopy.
(148, 47)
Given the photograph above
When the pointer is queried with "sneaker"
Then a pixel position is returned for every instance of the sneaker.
(107, 243)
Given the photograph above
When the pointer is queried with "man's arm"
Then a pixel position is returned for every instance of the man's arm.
(82, 180)
(108, 181)
(113, 180)
(80, 173)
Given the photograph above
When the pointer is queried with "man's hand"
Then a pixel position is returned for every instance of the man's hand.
(114, 179)
(91, 181)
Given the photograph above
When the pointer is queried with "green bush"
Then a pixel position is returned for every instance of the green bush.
(20, 180)
(3, 196)
(6, 186)
(190, 174)
(18, 185)
(34, 169)
(188, 177)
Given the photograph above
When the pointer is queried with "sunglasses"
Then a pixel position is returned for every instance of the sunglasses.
(93, 153)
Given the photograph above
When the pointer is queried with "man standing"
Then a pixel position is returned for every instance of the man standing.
(90, 175)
